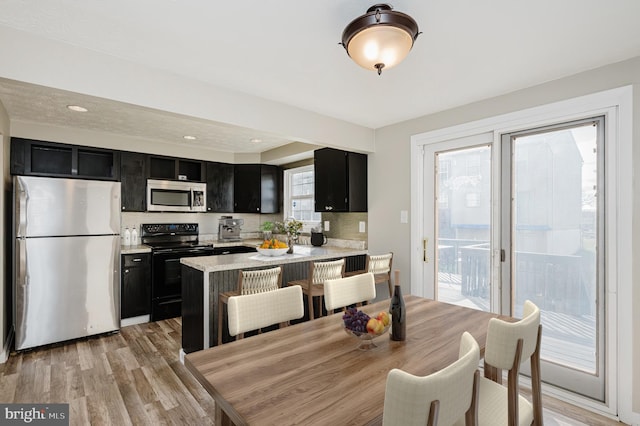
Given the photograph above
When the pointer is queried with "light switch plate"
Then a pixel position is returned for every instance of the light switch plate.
(404, 216)
(326, 226)
(361, 226)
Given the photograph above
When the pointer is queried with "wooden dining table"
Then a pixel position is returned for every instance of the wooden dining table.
(313, 373)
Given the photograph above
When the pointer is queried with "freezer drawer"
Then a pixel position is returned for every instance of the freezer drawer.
(65, 288)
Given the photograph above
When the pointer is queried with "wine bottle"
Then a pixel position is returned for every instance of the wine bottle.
(398, 313)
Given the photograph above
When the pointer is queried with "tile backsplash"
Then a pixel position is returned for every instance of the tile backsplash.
(343, 226)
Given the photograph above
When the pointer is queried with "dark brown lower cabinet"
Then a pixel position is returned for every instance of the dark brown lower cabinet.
(135, 295)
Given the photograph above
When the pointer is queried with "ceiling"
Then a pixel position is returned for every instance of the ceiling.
(287, 51)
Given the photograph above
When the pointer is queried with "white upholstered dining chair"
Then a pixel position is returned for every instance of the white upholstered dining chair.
(508, 345)
(440, 398)
(342, 292)
(259, 310)
(249, 282)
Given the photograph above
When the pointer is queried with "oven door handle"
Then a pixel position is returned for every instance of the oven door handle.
(177, 252)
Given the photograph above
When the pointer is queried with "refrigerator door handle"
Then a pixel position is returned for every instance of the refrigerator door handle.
(22, 220)
(22, 262)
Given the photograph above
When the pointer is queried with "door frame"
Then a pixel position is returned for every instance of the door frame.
(616, 105)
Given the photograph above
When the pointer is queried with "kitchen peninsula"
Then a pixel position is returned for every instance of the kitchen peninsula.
(204, 278)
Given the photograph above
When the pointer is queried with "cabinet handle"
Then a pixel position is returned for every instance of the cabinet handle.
(137, 259)
(123, 207)
(126, 271)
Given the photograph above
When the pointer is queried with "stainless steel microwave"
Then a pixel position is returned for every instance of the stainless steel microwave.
(176, 196)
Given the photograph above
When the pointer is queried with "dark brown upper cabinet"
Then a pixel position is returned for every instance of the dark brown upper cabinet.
(171, 168)
(42, 158)
(256, 188)
(340, 181)
(133, 178)
(219, 187)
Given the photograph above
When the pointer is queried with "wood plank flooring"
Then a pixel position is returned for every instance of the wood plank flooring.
(135, 378)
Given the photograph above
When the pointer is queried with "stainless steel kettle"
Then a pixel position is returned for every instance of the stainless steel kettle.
(318, 239)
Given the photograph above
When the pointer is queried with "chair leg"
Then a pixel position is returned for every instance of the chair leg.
(536, 391)
(310, 305)
(220, 305)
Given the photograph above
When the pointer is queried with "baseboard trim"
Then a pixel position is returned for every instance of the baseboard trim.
(135, 320)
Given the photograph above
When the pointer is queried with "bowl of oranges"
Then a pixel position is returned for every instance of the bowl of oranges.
(272, 247)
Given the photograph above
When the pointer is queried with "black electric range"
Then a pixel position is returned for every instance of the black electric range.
(169, 243)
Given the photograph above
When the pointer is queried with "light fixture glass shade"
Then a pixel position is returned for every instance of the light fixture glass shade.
(381, 38)
(379, 45)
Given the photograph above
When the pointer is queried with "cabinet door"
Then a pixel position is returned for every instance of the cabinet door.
(246, 188)
(94, 163)
(135, 297)
(17, 155)
(357, 182)
(269, 189)
(162, 167)
(219, 187)
(133, 168)
(42, 158)
(191, 170)
(330, 186)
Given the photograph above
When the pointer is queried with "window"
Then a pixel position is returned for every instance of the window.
(299, 196)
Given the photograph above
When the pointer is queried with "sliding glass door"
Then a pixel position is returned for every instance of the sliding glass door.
(519, 216)
(552, 225)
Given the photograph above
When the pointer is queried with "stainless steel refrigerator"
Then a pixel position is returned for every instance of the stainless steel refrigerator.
(67, 259)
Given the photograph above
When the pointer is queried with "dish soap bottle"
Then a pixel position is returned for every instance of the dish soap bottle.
(398, 313)
(127, 237)
(134, 236)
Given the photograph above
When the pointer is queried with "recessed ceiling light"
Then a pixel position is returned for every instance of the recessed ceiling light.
(189, 137)
(77, 108)
(255, 140)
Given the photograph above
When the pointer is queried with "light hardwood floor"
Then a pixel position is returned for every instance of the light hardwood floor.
(135, 378)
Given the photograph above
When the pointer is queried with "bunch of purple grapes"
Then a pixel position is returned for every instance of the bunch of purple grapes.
(355, 320)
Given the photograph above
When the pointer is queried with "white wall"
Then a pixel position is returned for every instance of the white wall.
(389, 169)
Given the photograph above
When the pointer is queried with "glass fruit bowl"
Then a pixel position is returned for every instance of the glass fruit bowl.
(365, 327)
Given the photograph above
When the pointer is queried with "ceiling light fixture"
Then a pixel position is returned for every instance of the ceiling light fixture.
(189, 137)
(77, 108)
(381, 38)
(255, 140)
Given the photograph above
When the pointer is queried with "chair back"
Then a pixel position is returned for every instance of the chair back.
(509, 345)
(379, 264)
(259, 281)
(502, 338)
(322, 271)
(343, 292)
(439, 398)
(259, 310)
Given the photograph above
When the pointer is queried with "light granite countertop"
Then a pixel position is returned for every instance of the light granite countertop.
(334, 248)
(253, 260)
(134, 249)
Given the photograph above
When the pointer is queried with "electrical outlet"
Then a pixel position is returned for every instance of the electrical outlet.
(326, 226)
(361, 227)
